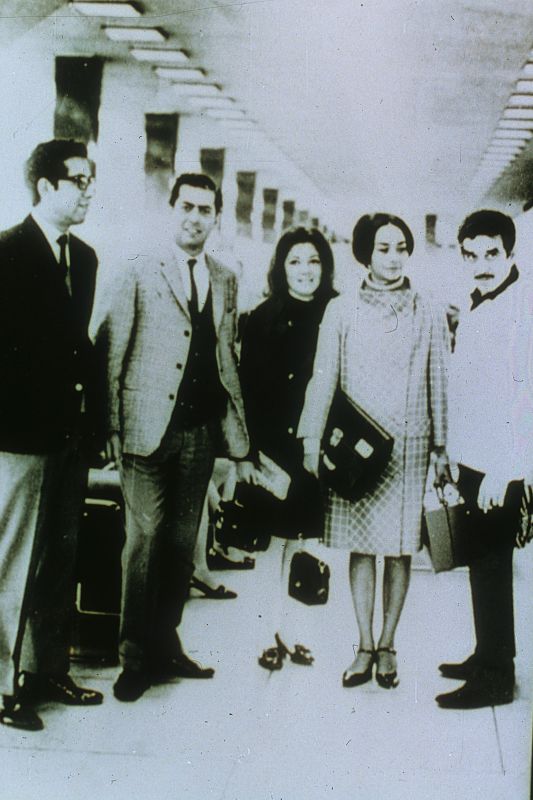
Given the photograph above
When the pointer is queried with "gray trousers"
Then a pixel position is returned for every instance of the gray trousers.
(164, 495)
(40, 507)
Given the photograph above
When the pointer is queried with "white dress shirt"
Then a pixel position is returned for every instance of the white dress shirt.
(490, 409)
(201, 274)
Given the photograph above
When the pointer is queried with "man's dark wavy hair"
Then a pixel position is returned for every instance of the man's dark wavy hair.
(48, 161)
(200, 181)
(487, 222)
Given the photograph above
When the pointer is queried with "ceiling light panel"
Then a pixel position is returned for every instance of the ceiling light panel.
(225, 113)
(158, 56)
(107, 9)
(512, 136)
(515, 125)
(527, 72)
(180, 74)
(521, 100)
(525, 86)
(198, 89)
(518, 113)
(120, 34)
(211, 102)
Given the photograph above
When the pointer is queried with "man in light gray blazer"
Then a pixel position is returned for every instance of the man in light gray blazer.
(173, 398)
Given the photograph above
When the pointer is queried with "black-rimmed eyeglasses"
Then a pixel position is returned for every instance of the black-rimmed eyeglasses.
(82, 181)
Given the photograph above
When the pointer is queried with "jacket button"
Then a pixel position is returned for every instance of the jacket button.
(179, 366)
(186, 333)
(79, 387)
(290, 376)
(171, 397)
(290, 430)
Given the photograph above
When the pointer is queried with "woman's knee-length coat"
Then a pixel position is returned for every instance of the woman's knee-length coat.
(388, 351)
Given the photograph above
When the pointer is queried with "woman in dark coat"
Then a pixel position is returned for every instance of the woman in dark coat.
(278, 350)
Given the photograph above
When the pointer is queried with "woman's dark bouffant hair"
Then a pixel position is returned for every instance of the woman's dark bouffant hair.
(277, 278)
(364, 235)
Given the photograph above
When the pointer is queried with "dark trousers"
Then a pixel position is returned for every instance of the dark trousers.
(164, 495)
(490, 560)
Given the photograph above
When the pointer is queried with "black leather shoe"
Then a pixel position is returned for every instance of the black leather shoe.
(130, 685)
(182, 667)
(16, 715)
(216, 561)
(62, 689)
(58, 689)
(477, 694)
(461, 671)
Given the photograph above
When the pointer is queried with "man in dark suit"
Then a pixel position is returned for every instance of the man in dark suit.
(47, 412)
(168, 340)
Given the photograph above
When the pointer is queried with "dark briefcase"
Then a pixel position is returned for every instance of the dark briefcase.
(447, 530)
(309, 579)
(356, 449)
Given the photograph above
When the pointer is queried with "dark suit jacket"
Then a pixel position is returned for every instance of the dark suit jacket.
(46, 358)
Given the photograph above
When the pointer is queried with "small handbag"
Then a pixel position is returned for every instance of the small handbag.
(356, 449)
(308, 579)
(447, 529)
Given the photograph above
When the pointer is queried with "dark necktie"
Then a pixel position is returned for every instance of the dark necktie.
(63, 267)
(193, 302)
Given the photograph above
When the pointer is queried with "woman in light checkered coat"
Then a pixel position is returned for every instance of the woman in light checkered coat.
(387, 349)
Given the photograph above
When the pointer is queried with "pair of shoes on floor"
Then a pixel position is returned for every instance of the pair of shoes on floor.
(130, 685)
(18, 715)
(56, 688)
(386, 679)
(218, 561)
(272, 658)
(218, 593)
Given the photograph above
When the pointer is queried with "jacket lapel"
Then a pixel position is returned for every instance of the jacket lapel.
(219, 285)
(172, 275)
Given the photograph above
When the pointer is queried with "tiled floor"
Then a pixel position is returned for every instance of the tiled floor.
(296, 734)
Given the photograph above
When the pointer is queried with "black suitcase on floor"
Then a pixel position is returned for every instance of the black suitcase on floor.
(98, 572)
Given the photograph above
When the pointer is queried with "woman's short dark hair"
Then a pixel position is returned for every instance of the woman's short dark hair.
(48, 161)
(489, 223)
(364, 235)
(200, 181)
(277, 277)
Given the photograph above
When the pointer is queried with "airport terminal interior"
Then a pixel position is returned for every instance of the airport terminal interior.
(304, 112)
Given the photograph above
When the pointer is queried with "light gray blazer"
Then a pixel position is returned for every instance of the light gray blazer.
(143, 337)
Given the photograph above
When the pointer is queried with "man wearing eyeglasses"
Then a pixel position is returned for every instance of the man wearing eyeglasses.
(47, 416)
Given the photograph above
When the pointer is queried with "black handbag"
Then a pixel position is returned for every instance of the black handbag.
(355, 449)
(247, 521)
(308, 579)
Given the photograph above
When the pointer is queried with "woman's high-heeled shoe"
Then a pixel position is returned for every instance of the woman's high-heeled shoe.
(271, 659)
(300, 654)
(350, 679)
(387, 680)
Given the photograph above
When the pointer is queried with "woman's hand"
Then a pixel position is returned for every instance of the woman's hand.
(492, 492)
(443, 473)
(113, 448)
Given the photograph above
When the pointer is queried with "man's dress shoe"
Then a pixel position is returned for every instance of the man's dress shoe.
(477, 693)
(58, 689)
(17, 715)
(130, 685)
(182, 667)
(461, 671)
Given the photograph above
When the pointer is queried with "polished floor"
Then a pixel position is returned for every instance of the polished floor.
(295, 734)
